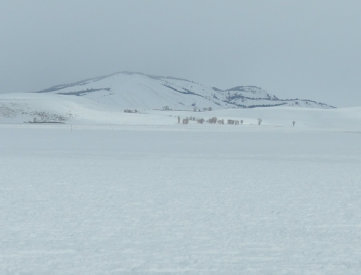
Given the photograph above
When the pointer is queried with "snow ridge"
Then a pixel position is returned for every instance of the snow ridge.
(139, 90)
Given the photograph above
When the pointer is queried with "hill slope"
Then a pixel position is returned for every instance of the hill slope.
(103, 99)
(138, 90)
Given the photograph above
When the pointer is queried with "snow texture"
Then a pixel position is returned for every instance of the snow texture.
(155, 196)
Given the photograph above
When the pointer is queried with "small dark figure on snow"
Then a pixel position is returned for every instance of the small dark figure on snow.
(293, 123)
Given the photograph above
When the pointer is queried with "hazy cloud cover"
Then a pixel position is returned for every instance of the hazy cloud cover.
(293, 48)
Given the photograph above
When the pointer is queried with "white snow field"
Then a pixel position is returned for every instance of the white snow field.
(155, 196)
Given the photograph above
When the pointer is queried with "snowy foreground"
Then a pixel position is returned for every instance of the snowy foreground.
(183, 199)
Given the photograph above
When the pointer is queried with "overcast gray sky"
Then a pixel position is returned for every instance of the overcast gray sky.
(292, 48)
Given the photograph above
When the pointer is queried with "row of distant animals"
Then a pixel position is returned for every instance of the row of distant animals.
(214, 120)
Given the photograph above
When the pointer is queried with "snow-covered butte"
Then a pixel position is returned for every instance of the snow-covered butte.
(138, 90)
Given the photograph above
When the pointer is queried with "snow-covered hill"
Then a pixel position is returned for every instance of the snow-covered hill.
(104, 100)
(137, 90)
